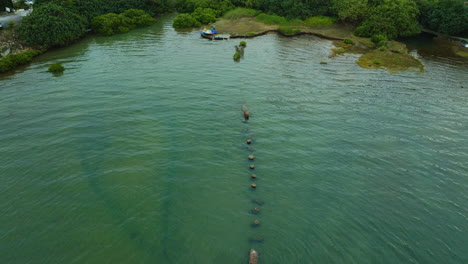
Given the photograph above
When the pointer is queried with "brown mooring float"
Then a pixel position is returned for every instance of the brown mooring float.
(253, 257)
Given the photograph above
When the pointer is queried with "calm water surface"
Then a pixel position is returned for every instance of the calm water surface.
(136, 154)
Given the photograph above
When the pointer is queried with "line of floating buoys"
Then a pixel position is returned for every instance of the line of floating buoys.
(253, 254)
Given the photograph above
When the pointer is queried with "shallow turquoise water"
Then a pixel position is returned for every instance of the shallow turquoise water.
(137, 155)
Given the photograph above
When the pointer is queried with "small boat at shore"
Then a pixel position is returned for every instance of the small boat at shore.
(209, 32)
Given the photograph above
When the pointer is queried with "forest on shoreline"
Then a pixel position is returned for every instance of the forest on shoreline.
(57, 23)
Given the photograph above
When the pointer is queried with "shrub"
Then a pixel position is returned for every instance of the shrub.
(323, 62)
(241, 12)
(204, 15)
(381, 19)
(138, 18)
(56, 68)
(320, 21)
(379, 40)
(377, 62)
(11, 24)
(236, 56)
(271, 19)
(243, 44)
(185, 21)
(110, 24)
(11, 61)
(51, 25)
(348, 41)
(189, 6)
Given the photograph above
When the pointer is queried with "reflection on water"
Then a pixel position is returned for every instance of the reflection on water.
(427, 45)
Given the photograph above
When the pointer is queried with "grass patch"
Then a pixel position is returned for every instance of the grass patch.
(320, 21)
(241, 12)
(323, 62)
(348, 41)
(293, 23)
(462, 54)
(338, 51)
(271, 19)
(393, 62)
(289, 31)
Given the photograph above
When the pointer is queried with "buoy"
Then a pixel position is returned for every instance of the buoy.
(252, 166)
(253, 185)
(249, 141)
(246, 115)
(251, 157)
(253, 257)
(253, 176)
(256, 222)
(256, 210)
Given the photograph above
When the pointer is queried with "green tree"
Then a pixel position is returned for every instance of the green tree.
(189, 6)
(391, 18)
(5, 3)
(204, 15)
(185, 21)
(52, 25)
(110, 24)
(448, 16)
(353, 11)
(138, 18)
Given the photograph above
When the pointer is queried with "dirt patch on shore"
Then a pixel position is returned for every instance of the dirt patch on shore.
(242, 26)
(250, 26)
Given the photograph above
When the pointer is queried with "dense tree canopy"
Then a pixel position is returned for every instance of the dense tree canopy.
(52, 25)
(185, 21)
(5, 3)
(448, 16)
(353, 11)
(110, 24)
(93, 8)
(391, 18)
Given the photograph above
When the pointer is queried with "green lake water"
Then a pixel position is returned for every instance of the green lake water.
(137, 154)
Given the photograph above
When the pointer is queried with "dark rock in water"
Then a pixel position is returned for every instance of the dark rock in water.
(249, 141)
(253, 257)
(258, 202)
(256, 210)
(257, 239)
